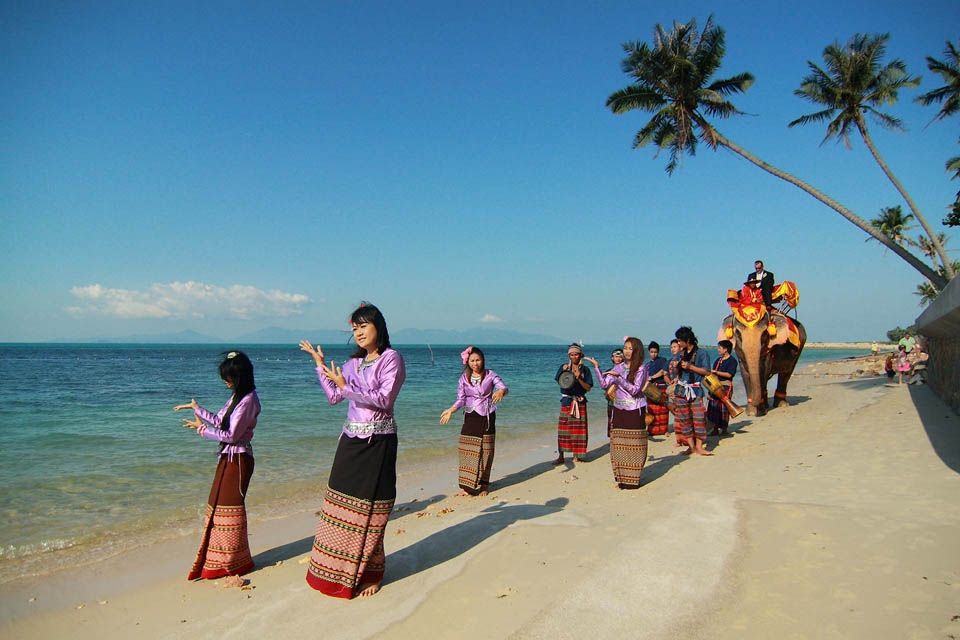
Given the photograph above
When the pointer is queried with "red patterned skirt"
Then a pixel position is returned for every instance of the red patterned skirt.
(572, 430)
(224, 549)
(478, 440)
(348, 548)
(628, 446)
(660, 413)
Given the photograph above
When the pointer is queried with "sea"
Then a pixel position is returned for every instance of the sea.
(94, 461)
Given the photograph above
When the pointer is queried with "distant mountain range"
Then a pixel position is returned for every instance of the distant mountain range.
(277, 335)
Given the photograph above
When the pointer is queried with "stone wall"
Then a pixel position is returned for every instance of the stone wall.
(940, 323)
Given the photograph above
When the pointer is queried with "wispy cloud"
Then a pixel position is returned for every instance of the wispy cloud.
(186, 300)
(491, 318)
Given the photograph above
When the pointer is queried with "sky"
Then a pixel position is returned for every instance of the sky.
(225, 167)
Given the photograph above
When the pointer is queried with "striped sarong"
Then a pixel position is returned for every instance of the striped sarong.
(571, 430)
(628, 447)
(224, 549)
(689, 418)
(661, 415)
(718, 414)
(348, 548)
(476, 449)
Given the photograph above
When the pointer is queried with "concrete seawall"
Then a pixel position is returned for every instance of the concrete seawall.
(940, 323)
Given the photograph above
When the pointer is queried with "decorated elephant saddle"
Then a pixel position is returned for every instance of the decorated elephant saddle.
(748, 309)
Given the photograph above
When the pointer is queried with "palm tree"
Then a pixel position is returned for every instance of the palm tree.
(892, 223)
(672, 80)
(927, 248)
(927, 292)
(949, 93)
(853, 85)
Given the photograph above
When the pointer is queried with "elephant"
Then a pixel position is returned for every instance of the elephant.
(763, 355)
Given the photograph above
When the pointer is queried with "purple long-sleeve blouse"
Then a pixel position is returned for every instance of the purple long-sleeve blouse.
(629, 396)
(479, 397)
(238, 434)
(371, 388)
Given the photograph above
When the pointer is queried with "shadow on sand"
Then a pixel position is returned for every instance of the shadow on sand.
(455, 540)
(941, 424)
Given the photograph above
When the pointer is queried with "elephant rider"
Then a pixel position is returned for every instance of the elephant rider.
(690, 413)
(759, 288)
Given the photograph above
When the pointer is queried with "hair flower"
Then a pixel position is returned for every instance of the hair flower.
(233, 354)
(466, 354)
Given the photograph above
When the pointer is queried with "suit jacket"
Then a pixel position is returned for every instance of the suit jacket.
(766, 285)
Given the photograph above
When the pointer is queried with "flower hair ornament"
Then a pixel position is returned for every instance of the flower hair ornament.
(233, 354)
(466, 354)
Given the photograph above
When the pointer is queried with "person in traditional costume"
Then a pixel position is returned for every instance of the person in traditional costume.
(572, 425)
(628, 437)
(725, 368)
(657, 368)
(616, 357)
(688, 392)
(673, 374)
(479, 391)
(224, 548)
(348, 557)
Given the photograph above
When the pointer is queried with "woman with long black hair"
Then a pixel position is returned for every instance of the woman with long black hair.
(628, 435)
(224, 549)
(479, 390)
(348, 557)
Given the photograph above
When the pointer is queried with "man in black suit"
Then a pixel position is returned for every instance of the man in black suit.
(765, 279)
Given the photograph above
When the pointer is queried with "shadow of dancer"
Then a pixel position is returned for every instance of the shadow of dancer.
(453, 541)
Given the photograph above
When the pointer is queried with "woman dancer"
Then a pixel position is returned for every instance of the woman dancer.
(616, 357)
(348, 557)
(478, 392)
(724, 367)
(628, 437)
(224, 549)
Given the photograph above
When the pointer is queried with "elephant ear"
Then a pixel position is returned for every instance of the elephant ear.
(783, 331)
(726, 324)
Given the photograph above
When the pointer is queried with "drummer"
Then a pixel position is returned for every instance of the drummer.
(673, 374)
(724, 367)
(616, 357)
(657, 369)
(688, 394)
(572, 425)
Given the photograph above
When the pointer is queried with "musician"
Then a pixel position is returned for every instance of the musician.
(724, 367)
(616, 357)
(764, 280)
(673, 374)
(657, 370)
(572, 424)
(688, 394)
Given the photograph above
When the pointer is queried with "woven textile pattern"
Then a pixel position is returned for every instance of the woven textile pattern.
(476, 461)
(571, 431)
(628, 454)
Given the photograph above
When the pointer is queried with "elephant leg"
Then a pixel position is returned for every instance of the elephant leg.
(780, 396)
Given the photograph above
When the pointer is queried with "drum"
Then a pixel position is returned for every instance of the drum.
(654, 394)
(648, 419)
(566, 380)
(712, 382)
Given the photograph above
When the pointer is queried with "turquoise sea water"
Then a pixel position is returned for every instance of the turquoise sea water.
(94, 460)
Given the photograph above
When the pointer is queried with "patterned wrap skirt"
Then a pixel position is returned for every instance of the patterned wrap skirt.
(660, 413)
(478, 442)
(571, 430)
(224, 549)
(348, 548)
(718, 414)
(628, 446)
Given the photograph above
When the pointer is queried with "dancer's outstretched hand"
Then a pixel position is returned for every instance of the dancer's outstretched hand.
(191, 405)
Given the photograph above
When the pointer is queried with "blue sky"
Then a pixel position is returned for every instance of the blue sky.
(225, 167)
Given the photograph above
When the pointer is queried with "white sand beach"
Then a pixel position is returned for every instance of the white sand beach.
(832, 518)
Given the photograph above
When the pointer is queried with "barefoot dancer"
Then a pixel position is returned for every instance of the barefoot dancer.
(628, 437)
(478, 392)
(224, 549)
(348, 557)
(688, 394)
(572, 425)
(673, 374)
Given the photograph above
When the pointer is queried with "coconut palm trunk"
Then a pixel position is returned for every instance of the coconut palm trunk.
(934, 240)
(935, 279)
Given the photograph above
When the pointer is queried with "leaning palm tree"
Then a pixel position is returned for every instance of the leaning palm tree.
(673, 80)
(947, 96)
(927, 292)
(892, 223)
(853, 85)
(927, 248)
